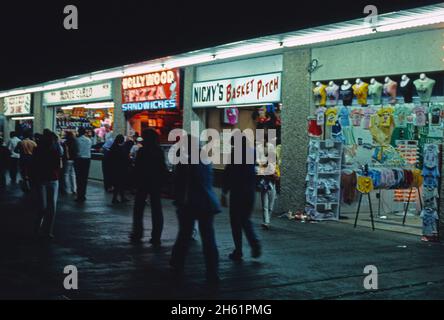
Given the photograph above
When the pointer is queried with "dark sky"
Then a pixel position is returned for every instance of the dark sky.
(36, 48)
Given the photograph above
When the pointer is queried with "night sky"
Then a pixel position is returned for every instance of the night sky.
(36, 48)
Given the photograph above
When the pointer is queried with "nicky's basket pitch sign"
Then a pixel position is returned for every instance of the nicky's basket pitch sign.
(18, 105)
(151, 91)
(265, 88)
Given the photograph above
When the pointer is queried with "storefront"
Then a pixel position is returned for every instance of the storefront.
(90, 107)
(237, 95)
(19, 114)
(152, 100)
(374, 156)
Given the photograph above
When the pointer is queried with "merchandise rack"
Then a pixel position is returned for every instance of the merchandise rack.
(319, 208)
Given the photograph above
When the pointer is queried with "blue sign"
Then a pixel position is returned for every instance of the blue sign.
(150, 105)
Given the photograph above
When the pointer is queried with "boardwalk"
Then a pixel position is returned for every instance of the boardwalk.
(300, 261)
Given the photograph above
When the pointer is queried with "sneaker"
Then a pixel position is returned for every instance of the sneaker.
(235, 256)
(266, 226)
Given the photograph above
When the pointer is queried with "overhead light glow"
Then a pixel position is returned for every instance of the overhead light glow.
(22, 118)
(246, 50)
(328, 36)
(104, 105)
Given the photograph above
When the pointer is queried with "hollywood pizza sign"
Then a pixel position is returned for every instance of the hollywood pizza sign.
(247, 90)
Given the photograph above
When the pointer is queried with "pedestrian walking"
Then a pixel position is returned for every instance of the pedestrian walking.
(69, 156)
(240, 182)
(82, 163)
(151, 174)
(26, 148)
(195, 201)
(15, 156)
(46, 161)
(5, 156)
(119, 163)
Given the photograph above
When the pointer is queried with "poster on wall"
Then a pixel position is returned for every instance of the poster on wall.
(151, 91)
(18, 105)
(255, 89)
(84, 94)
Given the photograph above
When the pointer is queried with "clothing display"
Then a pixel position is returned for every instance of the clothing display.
(421, 118)
(331, 115)
(332, 94)
(360, 90)
(231, 116)
(368, 112)
(320, 116)
(356, 116)
(346, 93)
(390, 90)
(323, 183)
(406, 89)
(344, 116)
(424, 88)
(401, 113)
(320, 95)
(375, 92)
(429, 218)
(314, 130)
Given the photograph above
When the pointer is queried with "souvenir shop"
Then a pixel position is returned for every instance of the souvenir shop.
(153, 100)
(90, 107)
(19, 114)
(234, 95)
(374, 152)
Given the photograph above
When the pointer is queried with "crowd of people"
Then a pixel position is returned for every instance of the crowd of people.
(50, 166)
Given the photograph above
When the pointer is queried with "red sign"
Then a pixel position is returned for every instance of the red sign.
(156, 86)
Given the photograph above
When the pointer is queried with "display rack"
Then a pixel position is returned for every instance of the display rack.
(324, 179)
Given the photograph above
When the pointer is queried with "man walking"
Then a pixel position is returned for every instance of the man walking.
(15, 156)
(82, 163)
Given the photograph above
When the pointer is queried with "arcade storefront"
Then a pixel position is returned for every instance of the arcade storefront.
(18, 114)
(152, 101)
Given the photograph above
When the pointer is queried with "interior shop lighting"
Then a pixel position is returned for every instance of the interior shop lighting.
(245, 105)
(106, 75)
(189, 61)
(22, 118)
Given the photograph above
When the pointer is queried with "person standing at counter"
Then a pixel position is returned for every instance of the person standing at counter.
(151, 173)
(82, 164)
(69, 155)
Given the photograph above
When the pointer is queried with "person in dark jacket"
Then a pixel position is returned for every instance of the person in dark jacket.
(5, 156)
(119, 162)
(240, 181)
(46, 165)
(69, 155)
(151, 174)
(195, 201)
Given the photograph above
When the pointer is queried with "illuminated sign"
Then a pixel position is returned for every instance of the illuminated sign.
(264, 88)
(91, 93)
(152, 91)
(18, 105)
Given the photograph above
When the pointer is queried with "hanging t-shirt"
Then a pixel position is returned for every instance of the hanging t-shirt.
(420, 112)
(435, 114)
(401, 113)
(356, 117)
(429, 221)
(385, 118)
(368, 112)
(332, 115)
(344, 115)
(320, 115)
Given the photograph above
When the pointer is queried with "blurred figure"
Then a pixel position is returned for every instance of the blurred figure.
(195, 201)
(118, 164)
(105, 165)
(5, 156)
(82, 164)
(151, 174)
(135, 148)
(15, 156)
(26, 149)
(69, 156)
(46, 160)
(267, 178)
(240, 182)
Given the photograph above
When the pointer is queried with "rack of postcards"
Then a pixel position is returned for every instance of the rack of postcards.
(323, 179)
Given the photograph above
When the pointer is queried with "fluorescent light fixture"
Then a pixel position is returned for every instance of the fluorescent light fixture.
(327, 36)
(245, 105)
(104, 105)
(106, 75)
(428, 20)
(22, 118)
(248, 49)
(176, 63)
(80, 81)
(140, 69)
